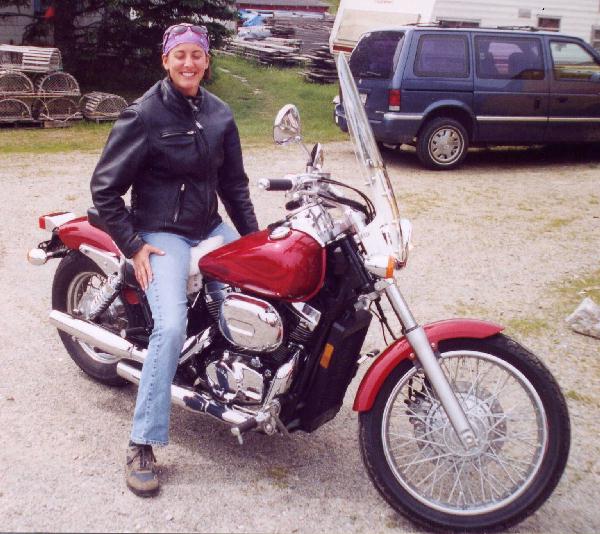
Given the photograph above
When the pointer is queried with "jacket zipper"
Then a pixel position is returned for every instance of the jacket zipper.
(179, 202)
(202, 138)
(164, 135)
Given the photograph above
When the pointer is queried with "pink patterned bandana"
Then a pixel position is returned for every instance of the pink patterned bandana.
(185, 33)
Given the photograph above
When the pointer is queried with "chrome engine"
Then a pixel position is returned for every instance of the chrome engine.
(231, 379)
(259, 341)
(250, 323)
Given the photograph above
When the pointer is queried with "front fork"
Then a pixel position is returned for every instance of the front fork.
(417, 338)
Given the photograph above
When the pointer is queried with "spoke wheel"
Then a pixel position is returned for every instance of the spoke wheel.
(82, 293)
(75, 290)
(520, 422)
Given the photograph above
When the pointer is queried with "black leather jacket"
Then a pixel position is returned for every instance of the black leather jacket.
(175, 160)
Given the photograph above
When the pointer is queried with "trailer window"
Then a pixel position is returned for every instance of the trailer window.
(376, 54)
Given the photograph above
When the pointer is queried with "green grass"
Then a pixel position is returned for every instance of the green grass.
(333, 6)
(79, 136)
(580, 397)
(572, 291)
(527, 326)
(255, 94)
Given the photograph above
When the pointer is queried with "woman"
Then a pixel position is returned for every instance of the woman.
(176, 147)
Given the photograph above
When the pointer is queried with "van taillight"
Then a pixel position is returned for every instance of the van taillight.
(394, 100)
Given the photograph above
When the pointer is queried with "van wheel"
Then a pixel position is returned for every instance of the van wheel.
(442, 144)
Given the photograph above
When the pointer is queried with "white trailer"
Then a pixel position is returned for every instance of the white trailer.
(355, 17)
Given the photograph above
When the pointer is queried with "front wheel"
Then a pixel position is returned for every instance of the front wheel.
(519, 417)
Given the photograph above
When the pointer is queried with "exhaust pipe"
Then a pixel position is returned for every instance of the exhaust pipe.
(97, 336)
(112, 344)
(188, 399)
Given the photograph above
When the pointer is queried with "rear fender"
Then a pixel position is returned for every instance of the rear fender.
(401, 350)
(79, 232)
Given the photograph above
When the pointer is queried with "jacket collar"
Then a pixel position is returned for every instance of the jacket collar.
(174, 100)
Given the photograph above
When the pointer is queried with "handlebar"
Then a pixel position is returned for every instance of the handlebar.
(276, 184)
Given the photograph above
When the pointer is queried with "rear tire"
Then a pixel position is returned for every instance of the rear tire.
(413, 456)
(76, 280)
(442, 144)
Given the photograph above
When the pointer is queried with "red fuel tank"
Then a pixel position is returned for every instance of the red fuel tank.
(289, 268)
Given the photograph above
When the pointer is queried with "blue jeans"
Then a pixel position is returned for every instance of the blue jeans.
(168, 301)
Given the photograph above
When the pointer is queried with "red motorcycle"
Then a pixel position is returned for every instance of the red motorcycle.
(460, 427)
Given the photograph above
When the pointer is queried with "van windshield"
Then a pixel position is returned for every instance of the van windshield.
(376, 54)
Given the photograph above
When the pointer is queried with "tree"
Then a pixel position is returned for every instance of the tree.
(109, 37)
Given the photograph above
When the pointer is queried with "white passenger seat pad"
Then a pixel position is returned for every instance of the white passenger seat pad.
(206, 246)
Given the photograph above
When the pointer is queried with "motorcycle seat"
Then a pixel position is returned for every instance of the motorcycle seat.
(95, 220)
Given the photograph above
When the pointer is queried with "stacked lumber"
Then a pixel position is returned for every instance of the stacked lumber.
(311, 31)
(321, 65)
(270, 51)
(279, 29)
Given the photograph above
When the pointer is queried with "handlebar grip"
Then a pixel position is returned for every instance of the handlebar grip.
(276, 184)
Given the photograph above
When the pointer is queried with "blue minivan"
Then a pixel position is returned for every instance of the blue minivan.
(445, 89)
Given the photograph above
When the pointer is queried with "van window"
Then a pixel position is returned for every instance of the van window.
(509, 58)
(573, 62)
(376, 54)
(442, 55)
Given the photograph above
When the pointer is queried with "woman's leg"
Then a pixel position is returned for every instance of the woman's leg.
(167, 298)
(228, 233)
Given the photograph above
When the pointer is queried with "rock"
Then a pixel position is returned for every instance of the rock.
(586, 318)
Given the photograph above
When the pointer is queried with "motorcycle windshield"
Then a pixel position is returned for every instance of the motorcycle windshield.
(370, 161)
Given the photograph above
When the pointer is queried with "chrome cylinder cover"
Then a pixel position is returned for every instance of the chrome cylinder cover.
(232, 380)
(250, 323)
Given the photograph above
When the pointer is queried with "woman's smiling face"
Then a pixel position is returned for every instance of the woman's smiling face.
(186, 65)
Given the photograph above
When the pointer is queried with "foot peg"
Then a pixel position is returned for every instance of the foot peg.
(246, 426)
(268, 421)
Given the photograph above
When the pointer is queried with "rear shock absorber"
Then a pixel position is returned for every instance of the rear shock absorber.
(109, 293)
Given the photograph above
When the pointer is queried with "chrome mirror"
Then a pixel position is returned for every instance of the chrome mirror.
(287, 127)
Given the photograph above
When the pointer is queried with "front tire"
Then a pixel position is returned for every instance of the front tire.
(76, 284)
(519, 416)
(442, 144)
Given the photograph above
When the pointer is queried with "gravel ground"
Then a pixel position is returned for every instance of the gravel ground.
(494, 240)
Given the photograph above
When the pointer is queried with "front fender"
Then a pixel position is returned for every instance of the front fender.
(401, 350)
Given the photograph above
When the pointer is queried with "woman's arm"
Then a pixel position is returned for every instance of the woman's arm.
(233, 184)
(119, 165)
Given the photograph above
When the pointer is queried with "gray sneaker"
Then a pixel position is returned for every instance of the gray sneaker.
(140, 470)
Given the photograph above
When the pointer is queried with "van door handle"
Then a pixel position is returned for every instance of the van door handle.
(562, 99)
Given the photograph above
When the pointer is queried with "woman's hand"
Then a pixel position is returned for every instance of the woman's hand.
(141, 264)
